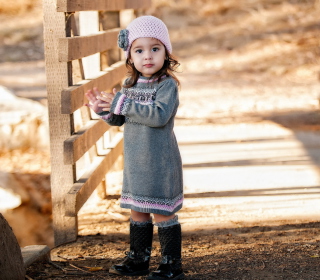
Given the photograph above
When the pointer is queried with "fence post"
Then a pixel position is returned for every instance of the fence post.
(65, 228)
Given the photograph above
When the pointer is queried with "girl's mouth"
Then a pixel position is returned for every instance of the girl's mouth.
(148, 65)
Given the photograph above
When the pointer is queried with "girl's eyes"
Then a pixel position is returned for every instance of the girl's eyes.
(155, 49)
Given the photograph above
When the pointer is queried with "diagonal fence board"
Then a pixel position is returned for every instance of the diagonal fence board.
(71, 48)
(83, 188)
(101, 5)
(73, 97)
(79, 143)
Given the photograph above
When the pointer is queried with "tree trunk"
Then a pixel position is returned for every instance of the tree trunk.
(11, 261)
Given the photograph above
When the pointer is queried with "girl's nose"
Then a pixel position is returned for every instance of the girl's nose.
(147, 55)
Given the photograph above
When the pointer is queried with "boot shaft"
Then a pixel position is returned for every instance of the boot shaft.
(170, 266)
(141, 238)
(170, 241)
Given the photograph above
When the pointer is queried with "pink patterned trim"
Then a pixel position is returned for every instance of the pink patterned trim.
(149, 205)
(117, 110)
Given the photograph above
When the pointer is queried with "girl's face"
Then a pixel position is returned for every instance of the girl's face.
(147, 55)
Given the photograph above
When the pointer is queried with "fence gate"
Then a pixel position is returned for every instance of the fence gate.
(80, 40)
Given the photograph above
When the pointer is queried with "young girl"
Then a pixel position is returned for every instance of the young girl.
(152, 183)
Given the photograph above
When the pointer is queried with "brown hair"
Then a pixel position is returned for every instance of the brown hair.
(169, 67)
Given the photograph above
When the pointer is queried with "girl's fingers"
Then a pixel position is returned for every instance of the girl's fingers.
(100, 99)
(96, 91)
(89, 94)
(104, 99)
(106, 94)
(114, 91)
(104, 105)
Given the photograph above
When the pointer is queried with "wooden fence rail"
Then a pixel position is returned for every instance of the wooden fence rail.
(80, 38)
(73, 96)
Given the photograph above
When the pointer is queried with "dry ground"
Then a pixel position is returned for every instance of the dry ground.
(242, 61)
(271, 251)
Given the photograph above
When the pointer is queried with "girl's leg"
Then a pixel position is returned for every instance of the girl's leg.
(139, 216)
(169, 230)
(137, 260)
(162, 218)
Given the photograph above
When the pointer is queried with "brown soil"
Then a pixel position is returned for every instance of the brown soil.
(242, 61)
(271, 251)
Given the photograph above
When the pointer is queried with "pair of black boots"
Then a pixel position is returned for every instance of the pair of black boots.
(137, 261)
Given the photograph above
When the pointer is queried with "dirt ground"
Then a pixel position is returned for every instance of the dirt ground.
(241, 62)
(272, 251)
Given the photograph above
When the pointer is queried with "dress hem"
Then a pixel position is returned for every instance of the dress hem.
(150, 210)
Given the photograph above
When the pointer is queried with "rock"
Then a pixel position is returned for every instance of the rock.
(11, 261)
(23, 123)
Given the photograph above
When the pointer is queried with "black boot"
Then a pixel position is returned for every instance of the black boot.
(137, 260)
(170, 266)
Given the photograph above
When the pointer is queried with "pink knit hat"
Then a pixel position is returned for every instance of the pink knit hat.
(144, 26)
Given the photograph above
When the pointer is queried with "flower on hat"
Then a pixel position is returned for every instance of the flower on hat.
(123, 40)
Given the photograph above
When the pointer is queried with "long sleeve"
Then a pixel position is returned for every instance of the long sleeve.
(156, 114)
(112, 119)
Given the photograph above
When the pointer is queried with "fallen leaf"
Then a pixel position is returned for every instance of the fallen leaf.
(95, 268)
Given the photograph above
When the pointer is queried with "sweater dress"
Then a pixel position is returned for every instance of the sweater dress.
(152, 175)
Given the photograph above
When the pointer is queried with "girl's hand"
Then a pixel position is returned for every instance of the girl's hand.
(99, 101)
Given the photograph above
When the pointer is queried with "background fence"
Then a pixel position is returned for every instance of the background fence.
(80, 39)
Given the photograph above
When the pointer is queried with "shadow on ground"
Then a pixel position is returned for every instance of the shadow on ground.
(278, 251)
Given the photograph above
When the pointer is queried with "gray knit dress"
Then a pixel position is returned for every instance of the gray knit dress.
(152, 176)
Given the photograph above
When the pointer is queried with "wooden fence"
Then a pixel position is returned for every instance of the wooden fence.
(80, 39)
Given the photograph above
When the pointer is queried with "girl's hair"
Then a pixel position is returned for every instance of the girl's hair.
(169, 67)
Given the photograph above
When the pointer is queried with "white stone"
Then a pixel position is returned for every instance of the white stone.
(12, 194)
(23, 123)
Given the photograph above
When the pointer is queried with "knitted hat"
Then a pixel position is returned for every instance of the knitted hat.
(144, 26)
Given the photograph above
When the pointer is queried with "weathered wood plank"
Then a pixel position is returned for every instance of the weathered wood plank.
(65, 228)
(34, 253)
(101, 5)
(73, 97)
(84, 187)
(71, 48)
(79, 143)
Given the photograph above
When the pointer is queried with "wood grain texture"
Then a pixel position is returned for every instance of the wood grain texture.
(101, 5)
(65, 228)
(83, 188)
(71, 48)
(79, 143)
